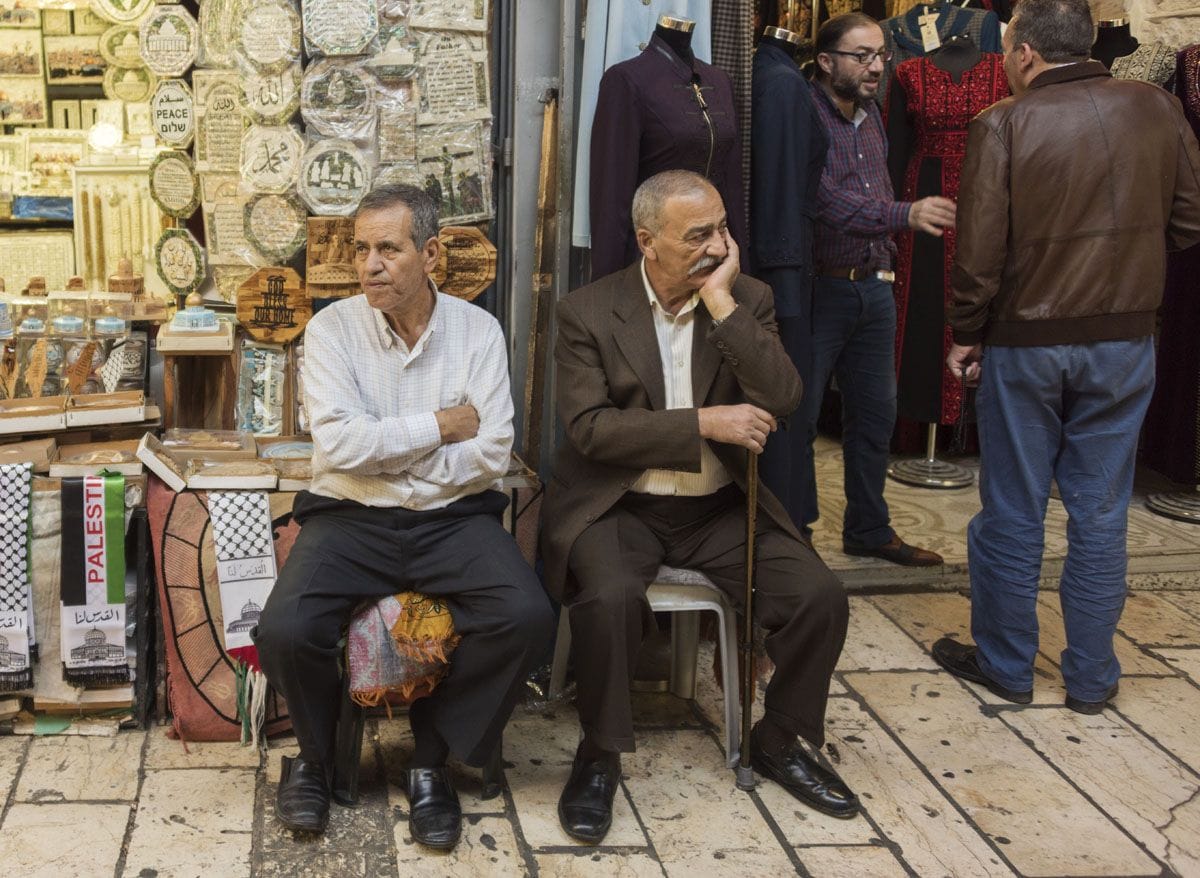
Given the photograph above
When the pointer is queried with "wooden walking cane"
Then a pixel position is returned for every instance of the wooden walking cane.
(744, 773)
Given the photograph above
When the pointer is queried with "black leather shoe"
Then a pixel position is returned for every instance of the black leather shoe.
(804, 778)
(585, 806)
(434, 815)
(1091, 708)
(962, 661)
(302, 800)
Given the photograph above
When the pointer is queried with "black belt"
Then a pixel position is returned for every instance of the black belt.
(859, 273)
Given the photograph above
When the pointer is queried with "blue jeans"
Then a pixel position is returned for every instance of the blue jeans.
(1071, 413)
(853, 339)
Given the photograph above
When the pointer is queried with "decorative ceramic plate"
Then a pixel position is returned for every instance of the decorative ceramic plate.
(271, 98)
(334, 176)
(132, 85)
(179, 260)
(119, 46)
(174, 185)
(340, 27)
(268, 35)
(173, 113)
(169, 38)
(337, 98)
(276, 225)
(271, 157)
(121, 11)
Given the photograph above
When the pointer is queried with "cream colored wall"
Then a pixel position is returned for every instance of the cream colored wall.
(1174, 22)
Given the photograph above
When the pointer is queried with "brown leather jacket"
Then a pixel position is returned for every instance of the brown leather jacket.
(1071, 195)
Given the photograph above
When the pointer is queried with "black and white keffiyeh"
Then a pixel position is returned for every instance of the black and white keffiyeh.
(16, 616)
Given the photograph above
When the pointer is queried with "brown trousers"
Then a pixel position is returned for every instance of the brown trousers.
(799, 602)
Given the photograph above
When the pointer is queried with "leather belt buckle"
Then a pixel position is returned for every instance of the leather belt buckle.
(886, 276)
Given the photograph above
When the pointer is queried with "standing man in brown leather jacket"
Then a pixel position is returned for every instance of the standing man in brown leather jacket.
(1072, 191)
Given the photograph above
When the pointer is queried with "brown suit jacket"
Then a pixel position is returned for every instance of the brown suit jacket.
(611, 399)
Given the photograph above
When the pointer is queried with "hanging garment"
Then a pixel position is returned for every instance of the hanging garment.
(733, 49)
(1149, 62)
(902, 34)
(615, 31)
(1171, 438)
(927, 116)
(658, 113)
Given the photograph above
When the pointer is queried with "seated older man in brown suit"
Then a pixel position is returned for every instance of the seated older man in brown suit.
(668, 373)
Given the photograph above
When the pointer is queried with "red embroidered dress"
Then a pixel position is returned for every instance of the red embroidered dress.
(927, 118)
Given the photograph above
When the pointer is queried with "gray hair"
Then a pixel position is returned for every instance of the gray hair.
(654, 192)
(420, 204)
(1061, 31)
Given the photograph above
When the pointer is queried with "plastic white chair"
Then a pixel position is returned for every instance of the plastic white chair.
(686, 593)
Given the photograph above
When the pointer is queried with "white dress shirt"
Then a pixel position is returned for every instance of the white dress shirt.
(674, 333)
(371, 403)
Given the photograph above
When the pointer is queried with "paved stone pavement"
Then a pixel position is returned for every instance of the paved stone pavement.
(954, 783)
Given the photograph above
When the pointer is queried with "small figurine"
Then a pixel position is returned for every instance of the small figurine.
(195, 317)
(76, 284)
(125, 281)
(37, 286)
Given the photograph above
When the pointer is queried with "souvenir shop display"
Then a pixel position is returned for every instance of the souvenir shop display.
(177, 186)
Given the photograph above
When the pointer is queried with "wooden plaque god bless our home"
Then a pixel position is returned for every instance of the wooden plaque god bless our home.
(271, 305)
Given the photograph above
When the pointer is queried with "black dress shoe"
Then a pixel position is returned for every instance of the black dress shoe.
(1091, 708)
(434, 815)
(805, 778)
(962, 661)
(585, 806)
(302, 800)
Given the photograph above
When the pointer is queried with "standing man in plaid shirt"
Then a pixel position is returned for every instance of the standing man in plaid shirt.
(854, 314)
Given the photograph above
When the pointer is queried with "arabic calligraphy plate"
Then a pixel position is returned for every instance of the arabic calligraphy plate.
(271, 157)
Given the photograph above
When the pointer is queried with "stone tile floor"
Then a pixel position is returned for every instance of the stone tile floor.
(954, 783)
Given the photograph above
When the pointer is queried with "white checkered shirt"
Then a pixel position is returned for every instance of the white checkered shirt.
(371, 402)
(674, 333)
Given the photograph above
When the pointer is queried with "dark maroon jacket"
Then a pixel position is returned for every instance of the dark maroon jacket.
(648, 120)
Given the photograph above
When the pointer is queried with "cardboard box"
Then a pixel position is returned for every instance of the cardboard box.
(42, 415)
(184, 444)
(39, 452)
(91, 458)
(151, 452)
(231, 475)
(123, 407)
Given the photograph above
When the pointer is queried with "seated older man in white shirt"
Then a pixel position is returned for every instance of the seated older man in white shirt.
(408, 394)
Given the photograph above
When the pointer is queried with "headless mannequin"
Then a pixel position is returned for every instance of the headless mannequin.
(956, 56)
(787, 40)
(679, 40)
(1113, 41)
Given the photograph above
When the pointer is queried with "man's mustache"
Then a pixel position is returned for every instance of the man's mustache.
(705, 262)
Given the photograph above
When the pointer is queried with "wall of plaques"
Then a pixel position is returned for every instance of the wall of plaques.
(240, 120)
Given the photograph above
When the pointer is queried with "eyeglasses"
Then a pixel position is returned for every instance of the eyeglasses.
(866, 58)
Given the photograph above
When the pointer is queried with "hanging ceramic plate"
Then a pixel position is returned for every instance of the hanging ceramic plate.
(169, 38)
(337, 99)
(276, 225)
(133, 85)
(174, 185)
(121, 11)
(119, 46)
(268, 35)
(271, 98)
(334, 176)
(179, 261)
(271, 157)
(172, 112)
(340, 27)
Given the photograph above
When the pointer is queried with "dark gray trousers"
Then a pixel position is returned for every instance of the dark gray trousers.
(347, 553)
(799, 602)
